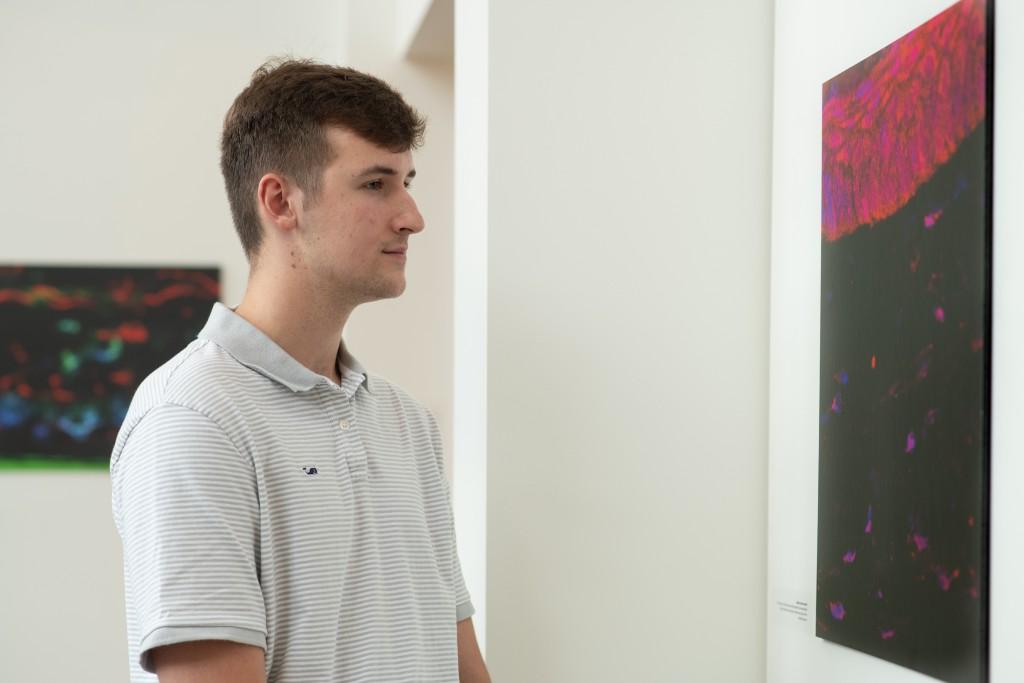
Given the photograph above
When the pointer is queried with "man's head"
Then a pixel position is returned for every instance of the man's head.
(280, 125)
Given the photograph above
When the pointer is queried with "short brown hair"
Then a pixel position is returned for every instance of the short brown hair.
(278, 123)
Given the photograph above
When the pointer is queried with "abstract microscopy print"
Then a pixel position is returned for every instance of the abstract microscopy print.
(903, 451)
(74, 345)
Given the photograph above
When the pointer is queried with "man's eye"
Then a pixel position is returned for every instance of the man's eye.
(408, 185)
(375, 184)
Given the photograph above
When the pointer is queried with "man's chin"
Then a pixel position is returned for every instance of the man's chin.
(392, 291)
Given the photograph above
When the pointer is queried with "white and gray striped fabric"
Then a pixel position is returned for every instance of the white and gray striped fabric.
(259, 502)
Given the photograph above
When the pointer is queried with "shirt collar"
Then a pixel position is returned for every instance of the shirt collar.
(254, 349)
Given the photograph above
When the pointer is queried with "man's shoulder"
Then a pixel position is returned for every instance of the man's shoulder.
(414, 415)
(195, 378)
(387, 390)
(188, 376)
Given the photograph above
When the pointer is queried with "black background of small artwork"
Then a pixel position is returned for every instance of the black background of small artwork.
(882, 288)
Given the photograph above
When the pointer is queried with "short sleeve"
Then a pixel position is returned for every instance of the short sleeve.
(463, 605)
(187, 507)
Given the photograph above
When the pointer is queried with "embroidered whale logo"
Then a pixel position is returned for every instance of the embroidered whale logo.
(309, 470)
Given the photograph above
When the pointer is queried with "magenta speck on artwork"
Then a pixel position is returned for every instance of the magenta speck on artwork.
(911, 443)
(931, 219)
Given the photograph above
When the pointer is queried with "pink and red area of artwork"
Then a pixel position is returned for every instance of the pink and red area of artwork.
(891, 121)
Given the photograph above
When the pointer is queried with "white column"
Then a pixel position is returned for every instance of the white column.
(469, 450)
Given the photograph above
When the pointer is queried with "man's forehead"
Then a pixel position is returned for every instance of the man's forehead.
(356, 153)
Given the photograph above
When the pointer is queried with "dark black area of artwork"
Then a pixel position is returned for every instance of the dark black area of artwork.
(902, 500)
(75, 342)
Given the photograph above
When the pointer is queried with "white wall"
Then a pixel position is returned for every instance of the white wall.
(808, 52)
(109, 135)
(629, 152)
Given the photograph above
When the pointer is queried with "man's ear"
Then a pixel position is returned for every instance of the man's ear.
(279, 200)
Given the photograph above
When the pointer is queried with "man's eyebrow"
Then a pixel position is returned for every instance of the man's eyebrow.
(384, 170)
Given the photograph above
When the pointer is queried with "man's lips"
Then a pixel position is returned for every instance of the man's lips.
(400, 250)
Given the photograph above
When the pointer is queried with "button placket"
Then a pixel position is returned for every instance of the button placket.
(350, 442)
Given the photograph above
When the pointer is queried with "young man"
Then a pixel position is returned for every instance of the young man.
(284, 513)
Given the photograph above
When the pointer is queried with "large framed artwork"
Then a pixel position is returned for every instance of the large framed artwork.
(903, 458)
(75, 342)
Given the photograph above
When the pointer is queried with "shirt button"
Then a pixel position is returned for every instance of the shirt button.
(344, 424)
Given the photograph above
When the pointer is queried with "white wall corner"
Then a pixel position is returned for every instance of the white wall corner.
(424, 29)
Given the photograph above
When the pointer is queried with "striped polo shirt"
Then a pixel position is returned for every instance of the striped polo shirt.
(259, 502)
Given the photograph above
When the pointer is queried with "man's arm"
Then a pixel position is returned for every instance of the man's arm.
(209, 661)
(471, 663)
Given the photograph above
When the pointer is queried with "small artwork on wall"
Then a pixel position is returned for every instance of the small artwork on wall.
(902, 564)
(75, 342)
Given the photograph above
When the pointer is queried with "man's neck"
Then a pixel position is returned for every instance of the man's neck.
(307, 329)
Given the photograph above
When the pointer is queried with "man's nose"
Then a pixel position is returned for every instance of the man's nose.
(410, 220)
